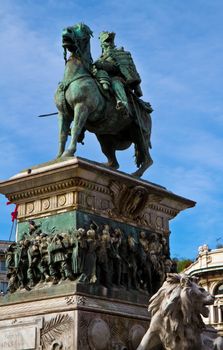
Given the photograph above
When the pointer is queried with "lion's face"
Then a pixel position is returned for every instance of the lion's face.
(176, 311)
(201, 298)
(183, 293)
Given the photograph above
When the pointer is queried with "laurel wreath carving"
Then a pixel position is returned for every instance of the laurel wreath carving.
(54, 328)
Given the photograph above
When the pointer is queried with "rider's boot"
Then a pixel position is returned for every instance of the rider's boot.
(121, 98)
(103, 78)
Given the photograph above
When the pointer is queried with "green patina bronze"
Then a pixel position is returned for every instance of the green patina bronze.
(66, 222)
(103, 98)
(87, 249)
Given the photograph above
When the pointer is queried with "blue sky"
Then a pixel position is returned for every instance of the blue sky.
(178, 51)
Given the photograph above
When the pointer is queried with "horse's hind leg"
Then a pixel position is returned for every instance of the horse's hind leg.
(143, 167)
(64, 127)
(108, 149)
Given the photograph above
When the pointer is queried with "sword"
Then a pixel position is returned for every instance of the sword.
(46, 115)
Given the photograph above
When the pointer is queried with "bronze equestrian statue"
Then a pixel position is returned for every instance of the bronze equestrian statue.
(103, 98)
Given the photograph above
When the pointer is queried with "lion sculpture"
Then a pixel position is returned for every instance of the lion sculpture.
(176, 322)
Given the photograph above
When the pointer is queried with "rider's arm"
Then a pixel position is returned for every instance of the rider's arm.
(109, 67)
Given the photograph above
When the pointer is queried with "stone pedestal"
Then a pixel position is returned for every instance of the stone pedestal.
(70, 317)
(66, 195)
(72, 193)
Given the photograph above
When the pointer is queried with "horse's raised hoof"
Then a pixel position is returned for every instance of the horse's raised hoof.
(113, 165)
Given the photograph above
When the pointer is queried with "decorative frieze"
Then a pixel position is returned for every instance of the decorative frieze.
(107, 332)
(53, 329)
(56, 187)
(80, 185)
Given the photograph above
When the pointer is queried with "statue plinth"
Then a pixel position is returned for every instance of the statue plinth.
(71, 193)
(63, 196)
(66, 316)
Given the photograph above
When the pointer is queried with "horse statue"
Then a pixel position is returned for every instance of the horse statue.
(83, 105)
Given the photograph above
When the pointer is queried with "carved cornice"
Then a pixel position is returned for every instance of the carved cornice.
(168, 211)
(55, 187)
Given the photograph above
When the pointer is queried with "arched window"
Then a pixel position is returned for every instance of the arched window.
(218, 289)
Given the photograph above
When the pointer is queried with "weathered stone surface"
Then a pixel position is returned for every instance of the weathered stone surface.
(177, 311)
(63, 192)
(20, 334)
(18, 338)
(74, 320)
(70, 315)
(99, 334)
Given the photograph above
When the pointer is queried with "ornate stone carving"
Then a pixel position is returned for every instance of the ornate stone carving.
(99, 334)
(135, 335)
(30, 208)
(176, 321)
(56, 187)
(128, 201)
(53, 329)
(70, 300)
(45, 204)
(159, 222)
(81, 300)
(146, 219)
(163, 209)
(124, 333)
(90, 201)
(61, 200)
(56, 345)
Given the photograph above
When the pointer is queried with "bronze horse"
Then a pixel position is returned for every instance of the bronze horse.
(82, 106)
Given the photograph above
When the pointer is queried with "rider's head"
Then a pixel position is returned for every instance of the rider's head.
(107, 40)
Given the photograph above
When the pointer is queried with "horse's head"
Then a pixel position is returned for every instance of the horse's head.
(76, 38)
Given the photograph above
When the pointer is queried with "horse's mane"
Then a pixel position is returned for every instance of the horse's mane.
(84, 29)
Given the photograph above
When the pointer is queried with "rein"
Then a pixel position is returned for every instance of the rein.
(63, 85)
(81, 54)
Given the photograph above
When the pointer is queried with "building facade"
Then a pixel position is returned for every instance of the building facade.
(209, 268)
(3, 278)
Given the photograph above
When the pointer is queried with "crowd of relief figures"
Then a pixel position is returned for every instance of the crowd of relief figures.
(94, 255)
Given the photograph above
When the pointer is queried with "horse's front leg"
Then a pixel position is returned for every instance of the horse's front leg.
(81, 113)
(64, 128)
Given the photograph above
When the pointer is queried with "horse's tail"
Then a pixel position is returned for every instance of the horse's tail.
(139, 158)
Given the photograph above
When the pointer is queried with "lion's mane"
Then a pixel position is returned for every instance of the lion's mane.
(178, 305)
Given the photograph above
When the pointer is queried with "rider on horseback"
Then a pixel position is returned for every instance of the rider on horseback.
(117, 65)
(83, 106)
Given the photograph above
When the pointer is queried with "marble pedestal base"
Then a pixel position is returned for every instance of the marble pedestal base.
(71, 317)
